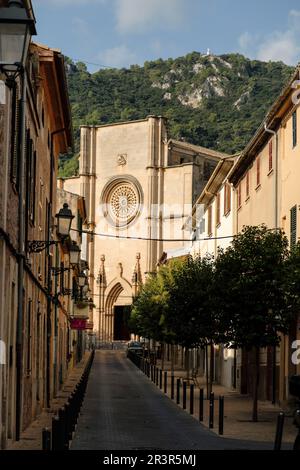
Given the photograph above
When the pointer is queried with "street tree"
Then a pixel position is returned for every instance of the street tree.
(253, 294)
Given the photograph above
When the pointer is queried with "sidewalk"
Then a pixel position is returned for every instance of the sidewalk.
(31, 438)
(237, 411)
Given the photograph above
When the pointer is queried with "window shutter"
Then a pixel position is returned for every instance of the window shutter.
(258, 171)
(239, 195)
(218, 209)
(15, 136)
(293, 228)
(270, 155)
(294, 129)
(227, 198)
(209, 221)
(247, 184)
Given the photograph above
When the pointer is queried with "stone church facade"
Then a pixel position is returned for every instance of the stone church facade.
(139, 187)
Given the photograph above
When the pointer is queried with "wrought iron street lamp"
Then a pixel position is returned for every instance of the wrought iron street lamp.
(81, 280)
(74, 254)
(16, 29)
(64, 220)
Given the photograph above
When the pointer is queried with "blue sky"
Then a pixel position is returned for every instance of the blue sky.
(122, 32)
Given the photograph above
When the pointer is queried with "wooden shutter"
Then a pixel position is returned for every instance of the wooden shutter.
(15, 136)
(270, 155)
(239, 195)
(218, 209)
(294, 129)
(258, 171)
(247, 184)
(227, 198)
(293, 228)
(209, 221)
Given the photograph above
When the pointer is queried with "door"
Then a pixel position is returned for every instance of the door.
(121, 330)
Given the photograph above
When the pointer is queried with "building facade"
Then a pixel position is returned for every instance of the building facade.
(266, 191)
(211, 226)
(32, 316)
(139, 187)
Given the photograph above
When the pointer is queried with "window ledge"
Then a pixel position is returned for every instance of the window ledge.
(271, 172)
(247, 198)
(258, 187)
(226, 214)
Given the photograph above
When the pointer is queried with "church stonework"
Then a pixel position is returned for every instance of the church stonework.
(138, 186)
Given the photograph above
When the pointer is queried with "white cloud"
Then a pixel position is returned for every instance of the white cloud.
(63, 3)
(279, 45)
(138, 16)
(119, 56)
(245, 41)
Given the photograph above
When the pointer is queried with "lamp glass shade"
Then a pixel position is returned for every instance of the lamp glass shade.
(74, 255)
(81, 280)
(14, 43)
(64, 221)
(16, 29)
(85, 289)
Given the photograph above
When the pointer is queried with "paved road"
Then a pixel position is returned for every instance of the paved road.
(123, 410)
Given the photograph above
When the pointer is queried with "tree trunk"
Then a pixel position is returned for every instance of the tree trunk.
(162, 356)
(211, 368)
(187, 363)
(256, 385)
(206, 372)
(172, 358)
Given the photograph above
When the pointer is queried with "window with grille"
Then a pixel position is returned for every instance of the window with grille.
(293, 228)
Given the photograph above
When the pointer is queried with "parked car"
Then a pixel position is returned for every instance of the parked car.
(135, 346)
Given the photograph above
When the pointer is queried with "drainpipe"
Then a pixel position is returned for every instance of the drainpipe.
(270, 131)
(21, 256)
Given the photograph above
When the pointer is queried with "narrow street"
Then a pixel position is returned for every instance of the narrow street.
(123, 410)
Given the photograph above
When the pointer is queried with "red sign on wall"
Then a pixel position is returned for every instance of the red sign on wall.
(78, 324)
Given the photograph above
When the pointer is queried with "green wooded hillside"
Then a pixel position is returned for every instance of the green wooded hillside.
(214, 101)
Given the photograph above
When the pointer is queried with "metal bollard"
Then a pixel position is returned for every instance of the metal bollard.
(157, 374)
(160, 378)
(211, 410)
(57, 436)
(172, 387)
(46, 439)
(178, 392)
(279, 431)
(192, 399)
(63, 426)
(165, 382)
(201, 404)
(221, 415)
(184, 395)
(297, 424)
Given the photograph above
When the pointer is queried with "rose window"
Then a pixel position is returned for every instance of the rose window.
(124, 202)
